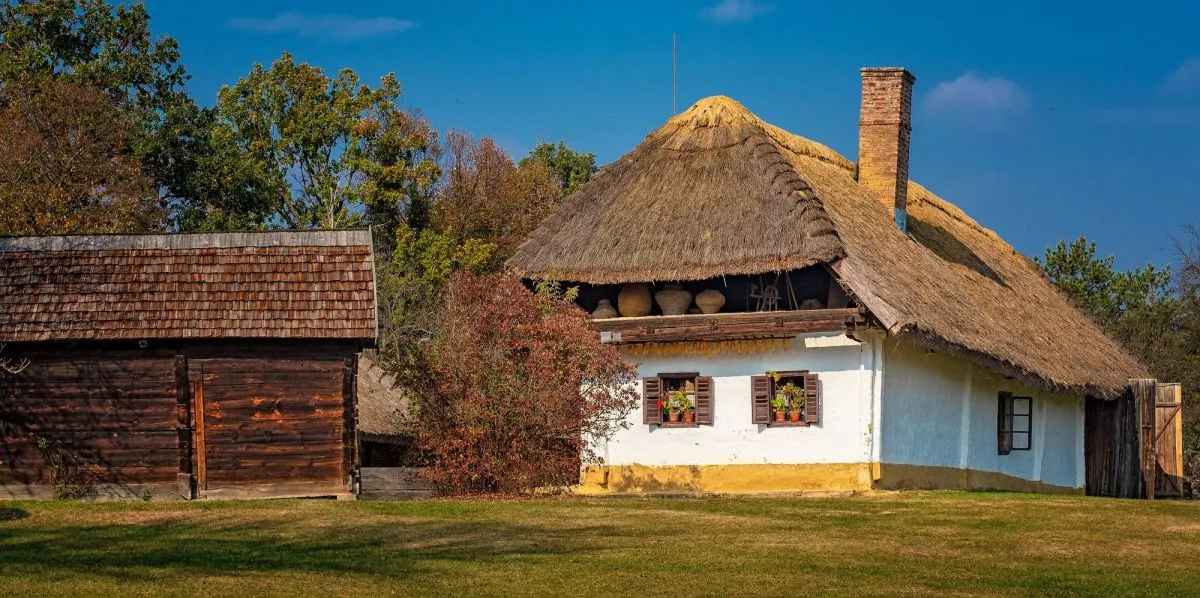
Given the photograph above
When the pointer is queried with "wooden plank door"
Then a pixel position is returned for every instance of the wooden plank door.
(270, 427)
(1168, 435)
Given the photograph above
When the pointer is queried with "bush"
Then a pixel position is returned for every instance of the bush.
(520, 384)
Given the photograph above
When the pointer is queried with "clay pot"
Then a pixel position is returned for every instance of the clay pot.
(795, 416)
(689, 417)
(673, 417)
(604, 310)
(673, 300)
(710, 301)
(779, 415)
(634, 300)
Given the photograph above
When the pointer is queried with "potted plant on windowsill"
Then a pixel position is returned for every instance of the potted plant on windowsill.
(779, 404)
(676, 404)
(687, 408)
(795, 399)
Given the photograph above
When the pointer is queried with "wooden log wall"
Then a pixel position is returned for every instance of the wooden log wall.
(270, 413)
(114, 413)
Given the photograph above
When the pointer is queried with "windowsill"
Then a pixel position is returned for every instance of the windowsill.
(788, 424)
(677, 425)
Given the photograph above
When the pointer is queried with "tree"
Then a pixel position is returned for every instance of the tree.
(486, 196)
(1154, 316)
(111, 49)
(521, 387)
(569, 168)
(326, 150)
(64, 168)
(1097, 287)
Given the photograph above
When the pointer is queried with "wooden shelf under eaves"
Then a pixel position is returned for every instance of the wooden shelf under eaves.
(727, 326)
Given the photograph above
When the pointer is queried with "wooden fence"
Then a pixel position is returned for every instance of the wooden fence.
(393, 483)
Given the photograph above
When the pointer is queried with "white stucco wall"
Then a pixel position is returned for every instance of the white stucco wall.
(939, 410)
(848, 372)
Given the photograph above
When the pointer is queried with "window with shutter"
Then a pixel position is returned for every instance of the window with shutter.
(1014, 423)
(789, 398)
(651, 411)
(704, 400)
(681, 400)
(760, 395)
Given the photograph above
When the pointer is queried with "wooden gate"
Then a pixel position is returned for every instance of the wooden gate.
(1168, 440)
(1133, 445)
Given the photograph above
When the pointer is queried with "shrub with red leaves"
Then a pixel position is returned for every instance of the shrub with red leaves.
(520, 384)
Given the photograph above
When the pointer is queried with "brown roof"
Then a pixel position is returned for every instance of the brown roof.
(716, 191)
(313, 284)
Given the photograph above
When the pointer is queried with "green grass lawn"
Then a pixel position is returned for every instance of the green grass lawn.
(911, 543)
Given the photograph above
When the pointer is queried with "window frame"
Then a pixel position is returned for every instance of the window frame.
(1008, 432)
(697, 380)
(808, 419)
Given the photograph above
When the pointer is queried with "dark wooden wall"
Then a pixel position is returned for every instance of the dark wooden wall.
(114, 411)
(236, 418)
(1112, 449)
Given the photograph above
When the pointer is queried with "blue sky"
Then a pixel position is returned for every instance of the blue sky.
(1040, 122)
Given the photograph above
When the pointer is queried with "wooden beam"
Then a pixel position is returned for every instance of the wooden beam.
(349, 421)
(199, 448)
(183, 426)
(728, 326)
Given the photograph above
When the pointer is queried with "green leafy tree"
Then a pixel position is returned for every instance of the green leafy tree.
(111, 48)
(1152, 314)
(569, 168)
(1097, 287)
(328, 152)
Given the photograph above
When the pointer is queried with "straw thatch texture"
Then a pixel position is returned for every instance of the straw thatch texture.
(705, 195)
(383, 410)
(696, 200)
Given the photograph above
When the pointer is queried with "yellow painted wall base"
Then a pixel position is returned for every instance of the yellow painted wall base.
(893, 476)
(765, 478)
(725, 478)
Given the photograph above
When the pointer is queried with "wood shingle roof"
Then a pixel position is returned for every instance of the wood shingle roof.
(313, 284)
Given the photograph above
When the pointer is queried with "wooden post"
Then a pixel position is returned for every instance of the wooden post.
(350, 418)
(183, 427)
(1144, 395)
(200, 449)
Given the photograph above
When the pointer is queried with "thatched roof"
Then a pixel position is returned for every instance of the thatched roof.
(383, 410)
(716, 191)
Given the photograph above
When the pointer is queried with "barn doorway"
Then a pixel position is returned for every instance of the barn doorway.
(1133, 445)
(267, 427)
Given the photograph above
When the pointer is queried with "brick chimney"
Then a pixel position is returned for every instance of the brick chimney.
(884, 128)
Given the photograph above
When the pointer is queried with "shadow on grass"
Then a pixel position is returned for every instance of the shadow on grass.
(12, 513)
(393, 549)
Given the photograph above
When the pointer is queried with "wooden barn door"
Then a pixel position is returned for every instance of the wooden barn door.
(268, 427)
(1168, 444)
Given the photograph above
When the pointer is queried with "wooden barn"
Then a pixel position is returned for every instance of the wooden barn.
(189, 365)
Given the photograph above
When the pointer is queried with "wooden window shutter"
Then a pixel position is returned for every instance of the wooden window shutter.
(1004, 424)
(760, 392)
(651, 414)
(704, 400)
(812, 399)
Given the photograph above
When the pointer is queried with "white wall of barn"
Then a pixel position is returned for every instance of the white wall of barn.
(941, 411)
(849, 379)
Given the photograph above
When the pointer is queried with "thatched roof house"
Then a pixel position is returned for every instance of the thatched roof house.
(740, 196)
